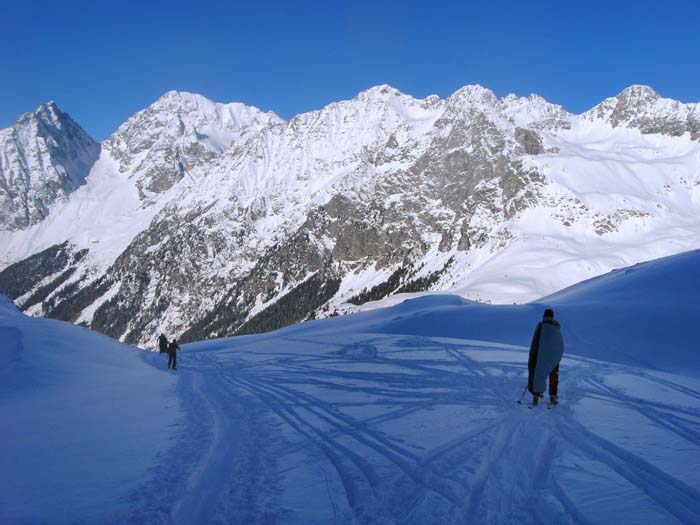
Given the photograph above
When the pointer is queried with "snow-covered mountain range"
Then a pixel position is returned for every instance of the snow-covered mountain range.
(203, 219)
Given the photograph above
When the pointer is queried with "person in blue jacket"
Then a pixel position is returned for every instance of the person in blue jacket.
(546, 350)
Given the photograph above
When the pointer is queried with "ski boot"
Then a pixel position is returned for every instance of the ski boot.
(553, 400)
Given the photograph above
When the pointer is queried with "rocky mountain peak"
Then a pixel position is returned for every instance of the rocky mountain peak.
(176, 134)
(181, 101)
(358, 129)
(48, 112)
(473, 95)
(534, 111)
(638, 94)
(383, 97)
(47, 119)
(44, 156)
(233, 115)
(183, 111)
(381, 91)
(641, 107)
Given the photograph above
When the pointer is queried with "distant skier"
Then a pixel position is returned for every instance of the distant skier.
(546, 350)
(162, 343)
(172, 354)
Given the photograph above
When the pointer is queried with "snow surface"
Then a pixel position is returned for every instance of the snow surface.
(398, 415)
(82, 420)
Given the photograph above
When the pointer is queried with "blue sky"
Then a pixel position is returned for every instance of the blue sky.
(103, 61)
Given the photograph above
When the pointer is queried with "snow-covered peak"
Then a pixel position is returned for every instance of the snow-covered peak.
(306, 159)
(367, 119)
(381, 92)
(638, 93)
(234, 115)
(643, 108)
(44, 156)
(533, 110)
(632, 97)
(378, 99)
(180, 113)
(473, 95)
(178, 132)
(46, 120)
(181, 102)
(47, 113)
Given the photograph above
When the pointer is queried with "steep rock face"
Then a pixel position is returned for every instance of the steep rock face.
(230, 220)
(44, 157)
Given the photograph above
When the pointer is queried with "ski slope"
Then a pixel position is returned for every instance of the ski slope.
(399, 415)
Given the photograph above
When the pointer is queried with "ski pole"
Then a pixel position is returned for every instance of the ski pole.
(520, 401)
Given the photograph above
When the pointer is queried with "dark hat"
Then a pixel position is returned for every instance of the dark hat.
(548, 313)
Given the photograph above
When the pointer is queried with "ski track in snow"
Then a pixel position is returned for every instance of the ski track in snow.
(407, 429)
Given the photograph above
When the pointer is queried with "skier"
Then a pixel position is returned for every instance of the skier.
(172, 354)
(162, 343)
(546, 350)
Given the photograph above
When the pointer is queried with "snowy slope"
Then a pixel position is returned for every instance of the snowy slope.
(200, 218)
(655, 304)
(83, 421)
(397, 415)
(403, 416)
